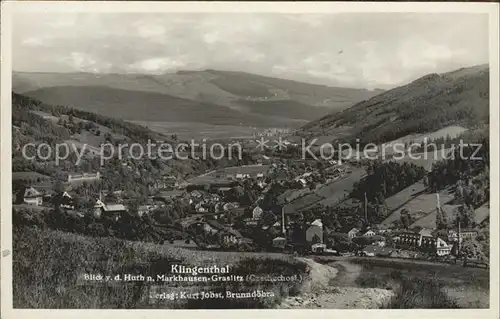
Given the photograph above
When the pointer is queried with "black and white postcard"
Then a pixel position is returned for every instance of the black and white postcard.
(314, 157)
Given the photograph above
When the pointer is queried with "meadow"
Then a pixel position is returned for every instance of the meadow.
(48, 270)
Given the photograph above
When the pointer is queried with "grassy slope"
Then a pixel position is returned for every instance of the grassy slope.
(48, 265)
(416, 200)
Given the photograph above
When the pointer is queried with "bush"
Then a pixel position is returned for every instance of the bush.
(417, 293)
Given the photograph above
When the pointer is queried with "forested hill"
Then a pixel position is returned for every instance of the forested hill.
(427, 104)
(41, 123)
(210, 96)
(24, 106)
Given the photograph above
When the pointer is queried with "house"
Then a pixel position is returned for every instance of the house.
(442, 248)
(318, 248)
(108, 210)
(369, 233)
(302, 181)
(464, 234)
(164, 183)
(230, 206)
(253, 222)
(382, 229)
(201, 207)
(143, 209)
(314, 233)
(353, 233)
(277, 226)
(371, 251)
(257, 212)
(63, 200)
(279, 242)
(168, 196)
(226, 234)
(230, 236)
(375, 250)
(30, 196)
(196, 194)
(307, 175)
(379, 242)
(237, 211)
(207, 228)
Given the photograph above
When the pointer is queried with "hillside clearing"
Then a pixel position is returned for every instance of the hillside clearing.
(451, 131)
(397, 200)
(482, 213)
(429, 221)
(419, 206)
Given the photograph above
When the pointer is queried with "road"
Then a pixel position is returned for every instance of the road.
(393, 260)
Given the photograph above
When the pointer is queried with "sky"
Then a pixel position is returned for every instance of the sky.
(364, 50)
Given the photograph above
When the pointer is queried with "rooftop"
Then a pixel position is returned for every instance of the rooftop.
(31, 192)
(114, 207)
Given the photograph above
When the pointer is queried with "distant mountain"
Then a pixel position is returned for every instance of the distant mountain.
(210, 96)
(428, 104)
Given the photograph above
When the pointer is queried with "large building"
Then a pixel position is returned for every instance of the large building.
(80, 177)
(423, 240)
(453, 235)
(314, 233)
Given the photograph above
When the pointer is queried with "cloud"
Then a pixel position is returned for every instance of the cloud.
(35, 42)
(156, 65)
(350, 49)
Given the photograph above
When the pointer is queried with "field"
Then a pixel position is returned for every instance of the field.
(429, 221)
(211, 177)
(247, 169)
(302, 203)
(328, 194)
(29, 176)
(337, 190)
(395, 201)
(419, 206)
(292, 194)
(196, 131)
(482, 213)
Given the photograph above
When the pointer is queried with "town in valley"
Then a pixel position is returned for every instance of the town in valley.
(236, 196)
